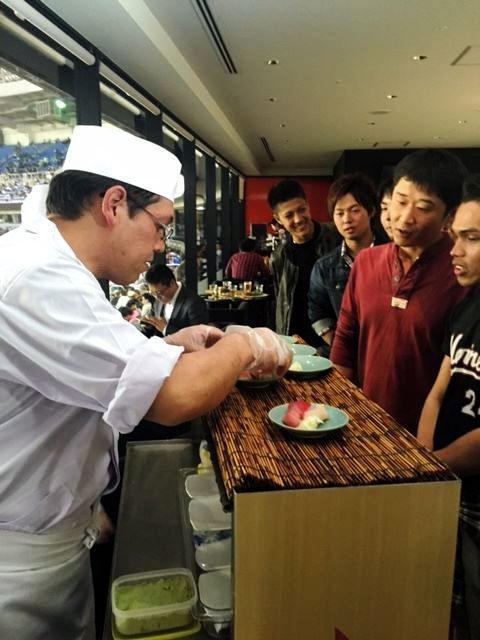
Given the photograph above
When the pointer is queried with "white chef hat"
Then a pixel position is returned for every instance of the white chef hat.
(35, 203)
(119, 155)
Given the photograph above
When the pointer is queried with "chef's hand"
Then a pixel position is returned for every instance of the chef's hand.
(271, 354)
(105, 526)
(200, 336)
(158, 323)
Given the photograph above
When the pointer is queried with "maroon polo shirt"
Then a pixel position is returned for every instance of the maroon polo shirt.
(391, 326)
(246, 265)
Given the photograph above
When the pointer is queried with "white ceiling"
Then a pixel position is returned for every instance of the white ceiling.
(338, 61)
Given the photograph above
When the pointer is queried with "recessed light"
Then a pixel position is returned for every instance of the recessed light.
(361, 139)
(272, 99)
(272, 62)
(391, 96)
(437, 137)
(338, 82)
(462, 122)
(371, 123)
(418, 58)
(283, 125)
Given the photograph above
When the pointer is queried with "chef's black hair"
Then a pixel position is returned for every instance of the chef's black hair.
(70, 192)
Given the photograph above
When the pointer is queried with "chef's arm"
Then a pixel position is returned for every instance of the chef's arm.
(200, 381)
(429, 415)
(463, 454)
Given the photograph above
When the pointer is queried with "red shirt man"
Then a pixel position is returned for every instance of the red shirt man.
(246, 264)
(391, 323)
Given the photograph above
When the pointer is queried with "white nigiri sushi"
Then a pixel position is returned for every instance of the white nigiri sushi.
(316, 414)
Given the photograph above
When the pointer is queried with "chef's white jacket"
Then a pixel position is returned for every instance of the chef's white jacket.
(73, 374)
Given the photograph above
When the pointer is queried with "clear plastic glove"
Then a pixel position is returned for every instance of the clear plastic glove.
(271, 354)
(195, 338)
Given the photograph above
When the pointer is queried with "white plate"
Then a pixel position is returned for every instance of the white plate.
(201, 485)
(207, 514)
(214, 555)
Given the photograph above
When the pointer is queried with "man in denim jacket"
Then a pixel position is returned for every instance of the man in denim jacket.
(352, 204)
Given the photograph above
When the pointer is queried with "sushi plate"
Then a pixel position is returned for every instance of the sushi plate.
(256, 383)
(302, 349)
(311, 366)
(337, 419)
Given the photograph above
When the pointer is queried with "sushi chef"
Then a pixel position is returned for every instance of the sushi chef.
(74, 375)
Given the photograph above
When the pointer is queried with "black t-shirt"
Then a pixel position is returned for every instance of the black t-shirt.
(304, 257)
(460, 409)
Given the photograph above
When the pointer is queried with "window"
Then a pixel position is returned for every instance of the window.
(36, 121)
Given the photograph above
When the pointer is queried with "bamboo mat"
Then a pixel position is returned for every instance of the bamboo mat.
(251, 453)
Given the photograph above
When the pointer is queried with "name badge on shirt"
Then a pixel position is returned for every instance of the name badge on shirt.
(399, 303)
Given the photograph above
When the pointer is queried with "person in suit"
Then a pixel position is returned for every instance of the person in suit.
(175, 307)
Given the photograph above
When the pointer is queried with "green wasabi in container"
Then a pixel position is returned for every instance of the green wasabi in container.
(153, 601)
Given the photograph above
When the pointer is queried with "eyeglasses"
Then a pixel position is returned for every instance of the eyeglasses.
(167, 229)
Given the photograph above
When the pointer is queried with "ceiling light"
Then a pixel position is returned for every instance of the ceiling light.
(418, 58)
(361, 139)
(198, 153)
(26, 36)
(371, 123)
(127, 88)
(437, 137)
(39, 21)
(272, 99)
(391, 96)
(169, 133)
(283, 125)
(462, 122)
(272, 62)
(116, 97)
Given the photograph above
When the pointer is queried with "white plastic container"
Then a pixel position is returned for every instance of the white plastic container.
(207, 514)
(215, 591)
(201, 485)
(153, 601)
(214, 555)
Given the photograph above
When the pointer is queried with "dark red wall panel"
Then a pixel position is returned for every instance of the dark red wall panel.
(257, 210)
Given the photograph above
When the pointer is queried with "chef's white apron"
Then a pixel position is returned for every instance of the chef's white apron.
(46, 590)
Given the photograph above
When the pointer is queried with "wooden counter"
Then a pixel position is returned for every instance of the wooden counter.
(358, 544)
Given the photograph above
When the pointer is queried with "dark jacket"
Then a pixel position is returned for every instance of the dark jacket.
(189, 309)
(285, 272)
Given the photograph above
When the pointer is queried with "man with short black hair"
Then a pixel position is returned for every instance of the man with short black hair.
(292, 263)
(450, 420)
(175, 306)
(390, 328)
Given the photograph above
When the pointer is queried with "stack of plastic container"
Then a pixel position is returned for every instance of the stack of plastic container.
(212, 540)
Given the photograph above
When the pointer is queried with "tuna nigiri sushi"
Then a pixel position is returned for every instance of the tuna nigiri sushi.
(303, 415)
